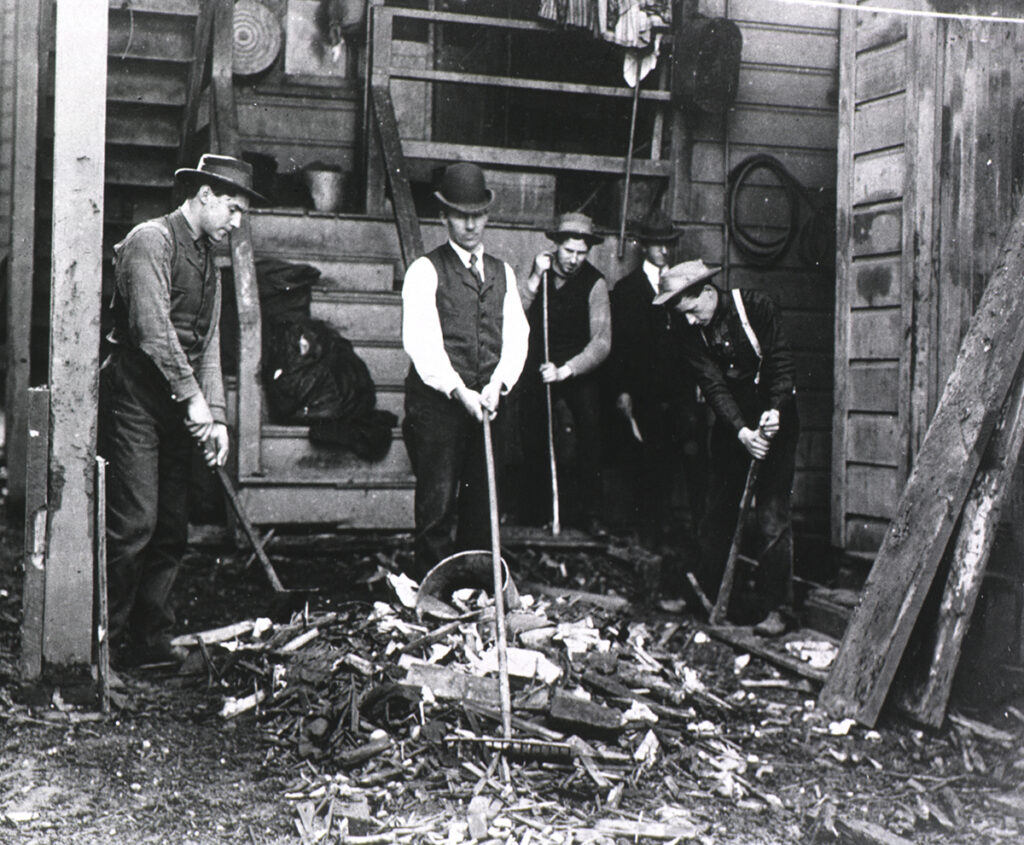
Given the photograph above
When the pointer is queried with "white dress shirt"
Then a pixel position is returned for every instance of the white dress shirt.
(653, 273)
(423, 340)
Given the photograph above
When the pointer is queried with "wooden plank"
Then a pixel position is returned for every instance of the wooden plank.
(879, 29)
(201, 40)
(876, 283)
(872, 439)
(364, 508)
(881, 73)
(367, 316)
(875, 333)
(873, 386)
(770, 126)
(80, 88)
(34, 584)
(879, 124)
(774, 46)
(159, 7)
(331, 122)
(775, 86)
(934, 494)
(287, 455)
(224, 116)
(409, 235)
(864, 534)
(156, 37)
(447, 152)
(844, 256)
(871, 490)
(137, 82)
(772, 651)
(802, 17)
(22, 263)
(917, 387)
(925, 694)
(877, 230)
(250, 390)
(878, 177)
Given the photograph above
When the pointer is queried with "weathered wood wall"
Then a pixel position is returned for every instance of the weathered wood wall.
(6, 120)
(786, 107)
(931, 161)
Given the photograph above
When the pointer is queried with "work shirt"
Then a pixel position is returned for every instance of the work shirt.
(579, 319)
(423, 338)
(726, 365)
(167, 305)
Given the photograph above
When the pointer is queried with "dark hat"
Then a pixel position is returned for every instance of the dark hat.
(574, 225)
(683, 278)
(225, 172)
(464, 189)
(657, 228)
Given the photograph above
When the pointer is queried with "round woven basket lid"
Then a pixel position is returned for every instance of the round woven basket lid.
(257, 38)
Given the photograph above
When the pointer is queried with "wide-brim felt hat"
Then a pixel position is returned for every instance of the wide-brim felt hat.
(657, 228)
(464, 188)
(681, 279)
(227, 172)
(574, 225)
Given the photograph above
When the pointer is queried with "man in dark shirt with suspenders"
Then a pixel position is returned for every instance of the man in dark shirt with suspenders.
(161, 392)
(734, 343)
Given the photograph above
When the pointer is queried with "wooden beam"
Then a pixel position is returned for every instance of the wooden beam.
(250, 393)
(844, 271)
(80, 90)
(224, 117)
(22, 265)
(925, 695)
(934, 494)
(409, 235)
(196, 71)
(34, 586)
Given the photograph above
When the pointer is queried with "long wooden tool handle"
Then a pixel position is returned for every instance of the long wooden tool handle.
(103, 635)
(499, 596)
(556, 523)
(629, 162)
(250, 532)
(729, 576)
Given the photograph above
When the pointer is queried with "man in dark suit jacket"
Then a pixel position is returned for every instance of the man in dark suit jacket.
(655, 395)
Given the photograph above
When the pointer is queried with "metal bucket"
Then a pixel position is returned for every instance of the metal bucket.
(472, 568)
(325, 188)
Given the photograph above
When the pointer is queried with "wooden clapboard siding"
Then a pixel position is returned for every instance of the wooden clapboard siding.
(786, 107)
(7, 67)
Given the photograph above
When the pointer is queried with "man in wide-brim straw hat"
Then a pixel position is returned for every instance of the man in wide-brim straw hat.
(579, 339)
(465, 333)
(658, 424)
(735, 345)
(161, 392)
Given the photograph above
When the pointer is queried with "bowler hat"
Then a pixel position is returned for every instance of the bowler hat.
(657, 228)
(682, 279)
(574, 225)
(225, 172)
(464, 189)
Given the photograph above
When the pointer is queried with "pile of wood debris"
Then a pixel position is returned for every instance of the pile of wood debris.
(389, 715)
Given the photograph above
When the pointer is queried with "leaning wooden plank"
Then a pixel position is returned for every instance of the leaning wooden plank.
(747, 640)
(34, 585)
(867, 833)
(926, 694)
(398, 175)
(934, 494)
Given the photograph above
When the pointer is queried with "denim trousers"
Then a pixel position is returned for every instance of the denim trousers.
(143, 437)
(446, 449)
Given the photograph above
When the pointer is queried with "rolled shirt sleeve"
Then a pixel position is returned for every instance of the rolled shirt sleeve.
(421, 328)
(515, 335)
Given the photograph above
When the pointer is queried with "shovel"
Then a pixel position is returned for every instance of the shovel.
(556, 526)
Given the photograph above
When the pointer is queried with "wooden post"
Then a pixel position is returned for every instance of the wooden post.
(926, 694)
(23, 224)
(80, 90)
(223, 117)
(196, 71)
(250, 392)
(934, 494)
(34, 587)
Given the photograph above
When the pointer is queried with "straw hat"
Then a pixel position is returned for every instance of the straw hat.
(574, 225)
(678, 280)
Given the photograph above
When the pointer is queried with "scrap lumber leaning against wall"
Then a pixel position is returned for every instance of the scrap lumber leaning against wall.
(934, 495)
(925, 692)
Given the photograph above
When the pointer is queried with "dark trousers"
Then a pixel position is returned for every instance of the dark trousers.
(577, 414)
(729, 462)
(446, 449)
(143, 437)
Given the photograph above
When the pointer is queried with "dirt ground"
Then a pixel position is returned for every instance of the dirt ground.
(168, 769)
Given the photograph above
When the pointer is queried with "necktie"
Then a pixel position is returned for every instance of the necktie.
(473, 268)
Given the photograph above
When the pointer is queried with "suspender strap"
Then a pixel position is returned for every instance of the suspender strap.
(748, 330)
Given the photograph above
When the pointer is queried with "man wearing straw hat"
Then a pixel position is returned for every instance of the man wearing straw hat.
(735, 345)
(466, 336)
(161, 390)
(659, 418)
(579, 338)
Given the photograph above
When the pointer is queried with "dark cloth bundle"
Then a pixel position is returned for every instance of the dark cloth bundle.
(313, 376)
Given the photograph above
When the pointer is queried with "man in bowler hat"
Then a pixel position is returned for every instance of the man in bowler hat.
(659, 419)
(466, 335)
(579, 340)
(161, 393)
(735, 345)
